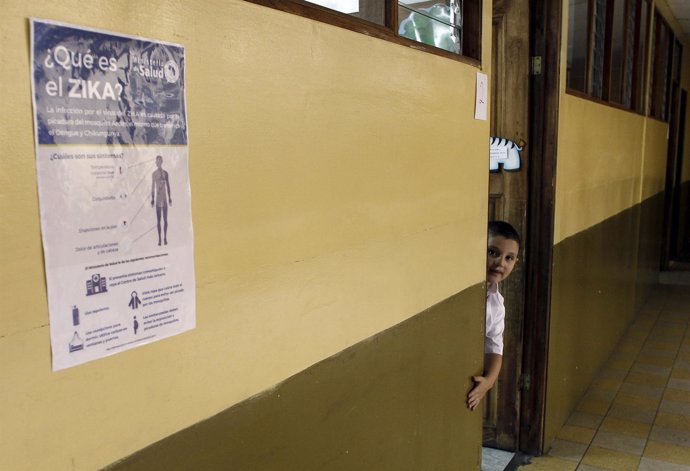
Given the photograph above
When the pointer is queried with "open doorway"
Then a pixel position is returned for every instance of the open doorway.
(526, 38)
(508, 195)
(676, 230)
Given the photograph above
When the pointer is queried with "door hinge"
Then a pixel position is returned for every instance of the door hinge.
(525, 381)
(535, 65)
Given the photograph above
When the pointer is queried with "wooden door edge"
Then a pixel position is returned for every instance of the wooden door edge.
(545, 41)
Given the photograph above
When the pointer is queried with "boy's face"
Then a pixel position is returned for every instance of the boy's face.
(501, 256)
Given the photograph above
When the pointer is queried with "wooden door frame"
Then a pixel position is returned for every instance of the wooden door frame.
(674, 166)
(508, 195)
(678, 229)
(678, 146)
(545, 43)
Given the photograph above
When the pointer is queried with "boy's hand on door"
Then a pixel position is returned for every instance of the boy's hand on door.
(481, 387)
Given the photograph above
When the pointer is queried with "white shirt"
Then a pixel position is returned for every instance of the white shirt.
(495, 320)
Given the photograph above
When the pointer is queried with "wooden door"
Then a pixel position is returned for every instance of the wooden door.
(680, 226)
(672, 241)
(674, 221)
(508, 192)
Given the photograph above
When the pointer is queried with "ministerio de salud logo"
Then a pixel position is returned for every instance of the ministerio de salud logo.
(171, 71)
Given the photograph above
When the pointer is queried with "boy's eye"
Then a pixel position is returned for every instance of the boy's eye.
(492, 252)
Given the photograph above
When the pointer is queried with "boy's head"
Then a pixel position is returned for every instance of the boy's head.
(502, 251)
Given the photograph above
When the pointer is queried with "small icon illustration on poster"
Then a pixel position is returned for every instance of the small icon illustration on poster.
(75, 315)
(171, 72)
(161, 197)
(136, 325)
(96, 285)
(134, 301)
(76, 343)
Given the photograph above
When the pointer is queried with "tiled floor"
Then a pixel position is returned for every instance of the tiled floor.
(495, 460)
(636, 414)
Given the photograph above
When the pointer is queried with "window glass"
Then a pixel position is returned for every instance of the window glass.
(629, 66)
(437, 24)
(576, 75)
(661, 72)
(370, 10)
(449, 28)
(617, 52)
(343, 6)
(641, 62)
(599, 48)
(607, 56)
(652, 81)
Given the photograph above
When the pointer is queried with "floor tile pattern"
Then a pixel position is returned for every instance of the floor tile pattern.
(636, 414)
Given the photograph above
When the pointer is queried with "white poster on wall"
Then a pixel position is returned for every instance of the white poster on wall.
(113, 181)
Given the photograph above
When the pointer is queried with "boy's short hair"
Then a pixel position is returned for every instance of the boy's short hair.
(502, 228)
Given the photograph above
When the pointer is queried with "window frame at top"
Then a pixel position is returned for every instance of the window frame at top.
(598, 88)
(663, 72)
(471, 31)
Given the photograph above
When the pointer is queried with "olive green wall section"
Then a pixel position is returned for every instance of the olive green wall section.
(653, 178)
(339, 188)
(593, 297)
(649, 247)
(393, 402)
(602, 276)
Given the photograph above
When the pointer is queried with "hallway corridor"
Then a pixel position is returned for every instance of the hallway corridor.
(636, 413)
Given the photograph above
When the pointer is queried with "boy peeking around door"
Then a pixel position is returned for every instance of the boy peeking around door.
(501, 257)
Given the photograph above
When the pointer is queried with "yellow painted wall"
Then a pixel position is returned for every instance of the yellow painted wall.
(653, 172)
(599, 158)
(338, 185)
